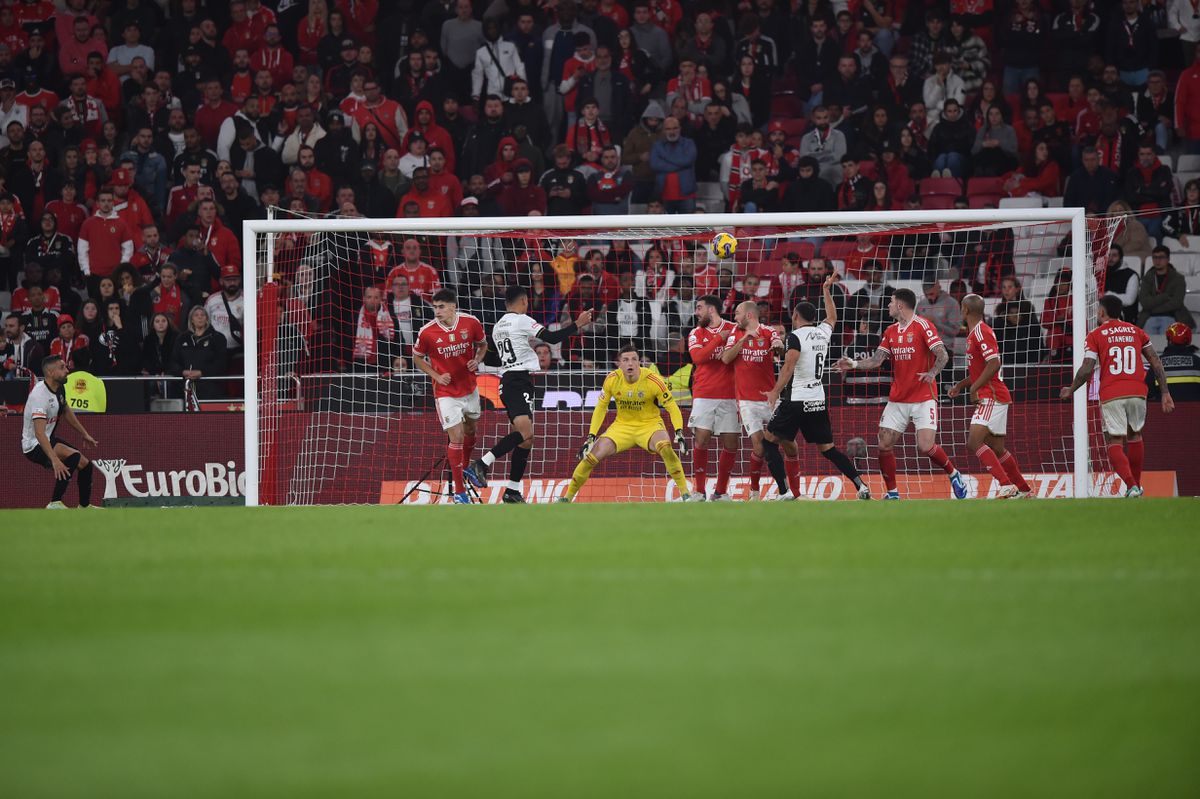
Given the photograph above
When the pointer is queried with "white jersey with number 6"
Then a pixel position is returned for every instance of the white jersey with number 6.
(511, 335)
(812, 342)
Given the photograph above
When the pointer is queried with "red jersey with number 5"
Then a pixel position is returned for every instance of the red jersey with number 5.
(910, 348)
(711, 379)
(1116, 347)
(981, 348)
(448, 350)
(754, 368)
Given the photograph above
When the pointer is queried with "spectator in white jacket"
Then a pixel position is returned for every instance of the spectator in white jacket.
(1184, 17)
(495, 61)
(941, 86)
(308, 132)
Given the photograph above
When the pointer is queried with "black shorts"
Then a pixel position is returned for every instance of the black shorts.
(809, 417)
(38, 455)
(516, 392)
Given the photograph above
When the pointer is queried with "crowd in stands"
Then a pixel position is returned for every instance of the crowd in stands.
(137, 135)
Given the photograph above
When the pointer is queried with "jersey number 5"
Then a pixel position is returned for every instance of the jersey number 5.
(1123, 361)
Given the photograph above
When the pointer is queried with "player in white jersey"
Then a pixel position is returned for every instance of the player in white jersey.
(517, 358)
(803, 409)
(46, 405)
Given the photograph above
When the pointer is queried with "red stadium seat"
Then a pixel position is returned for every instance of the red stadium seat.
(805, 249)
(983, 200)
(837, 249)
(749, 256)
(786, 106)
(868, 169)
(944, 187)
(937, 202)
(1062, 104)
(982, 192)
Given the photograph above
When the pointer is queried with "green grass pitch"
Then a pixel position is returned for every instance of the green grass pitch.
(919, 649)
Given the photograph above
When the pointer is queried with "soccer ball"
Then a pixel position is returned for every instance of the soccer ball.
(724, 245)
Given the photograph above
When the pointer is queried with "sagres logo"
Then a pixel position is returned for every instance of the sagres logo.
(213, 480)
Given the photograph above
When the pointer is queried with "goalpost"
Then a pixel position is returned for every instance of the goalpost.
(335, 413)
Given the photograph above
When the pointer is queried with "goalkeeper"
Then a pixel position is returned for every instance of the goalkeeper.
(640, 396)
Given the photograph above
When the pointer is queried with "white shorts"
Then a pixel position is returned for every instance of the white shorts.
(453, 410)
(717, 415)
(755, 415)
(992, 415)
(898, 415)
(1123, 414)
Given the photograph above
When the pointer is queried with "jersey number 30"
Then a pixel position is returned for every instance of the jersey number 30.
(1123, 361)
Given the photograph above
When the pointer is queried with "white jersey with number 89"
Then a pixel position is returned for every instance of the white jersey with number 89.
(511, 336)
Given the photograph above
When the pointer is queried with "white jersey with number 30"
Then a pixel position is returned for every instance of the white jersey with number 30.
(511, 335)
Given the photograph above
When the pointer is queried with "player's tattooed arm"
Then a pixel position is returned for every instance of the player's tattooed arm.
(1168, 403)
(1081, 377)
(940, 358)
(845, 364)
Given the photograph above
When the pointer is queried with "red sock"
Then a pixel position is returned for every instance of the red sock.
(938, 456)
(1137, 454)
(1014, 471)
(725, 461)
(993, 465)
(793, 474)
(887, 465)
(1116, 456)
(700, 470)
(756, 464)
(468, 448)
(454, 454)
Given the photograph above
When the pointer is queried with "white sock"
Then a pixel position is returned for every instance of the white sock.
(488, 458)
(514, 485)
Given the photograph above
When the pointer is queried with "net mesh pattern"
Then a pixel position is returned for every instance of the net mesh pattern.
(345, 418)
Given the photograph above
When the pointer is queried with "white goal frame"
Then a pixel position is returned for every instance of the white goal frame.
(254, 230)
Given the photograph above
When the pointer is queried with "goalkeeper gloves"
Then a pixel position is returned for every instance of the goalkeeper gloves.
(681, 446)
(586, 446)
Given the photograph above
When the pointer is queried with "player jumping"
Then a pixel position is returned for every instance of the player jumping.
(47, 403)
(511, 335)
(1118, 347)
(918, 355)
(804, 410)
(640, 395)
(985, 388)
(714, 408)
(449, 349)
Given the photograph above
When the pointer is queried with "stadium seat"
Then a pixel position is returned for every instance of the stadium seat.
(1167, 161)
(1193, 283)
(838, 266)
(1062, 104)
(836, 249)
(1014, 102)
(1020, 202)
(1184, 176)
(985, 191)
(1053, 202)
(983, 200)
(1186, 263)
(805, 249)
(937, 202)
(1174, 245)
(786, 106)
(1192, 302)
(749, 255)
(1133, 262)
(946, 187)
(794, 128)
(1189, 163)
(785, 84)
(868, 169)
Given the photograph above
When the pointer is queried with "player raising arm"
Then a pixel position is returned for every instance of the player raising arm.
(511, 335)
(751, 349)
(803, 409)
(917, 355)
(449, 349)
(1118, 348)
(47, 403)
(991, 398)
(640, 396)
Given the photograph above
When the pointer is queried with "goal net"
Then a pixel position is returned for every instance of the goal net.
(336, 413)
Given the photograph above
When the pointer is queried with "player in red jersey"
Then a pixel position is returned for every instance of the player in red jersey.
(714, 409)
(423, 279)
(917, 355)
(985, 388)
(449, 349)
(751, 350)
(1118, 348)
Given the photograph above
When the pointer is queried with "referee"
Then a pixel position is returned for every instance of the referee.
(46, 405)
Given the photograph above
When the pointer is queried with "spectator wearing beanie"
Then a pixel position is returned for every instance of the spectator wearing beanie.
(1181, 363)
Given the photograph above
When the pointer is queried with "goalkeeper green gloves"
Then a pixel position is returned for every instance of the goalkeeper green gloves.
(681, 446)
(586, 446)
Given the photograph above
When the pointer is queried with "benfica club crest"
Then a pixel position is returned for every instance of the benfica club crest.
(909, 339)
